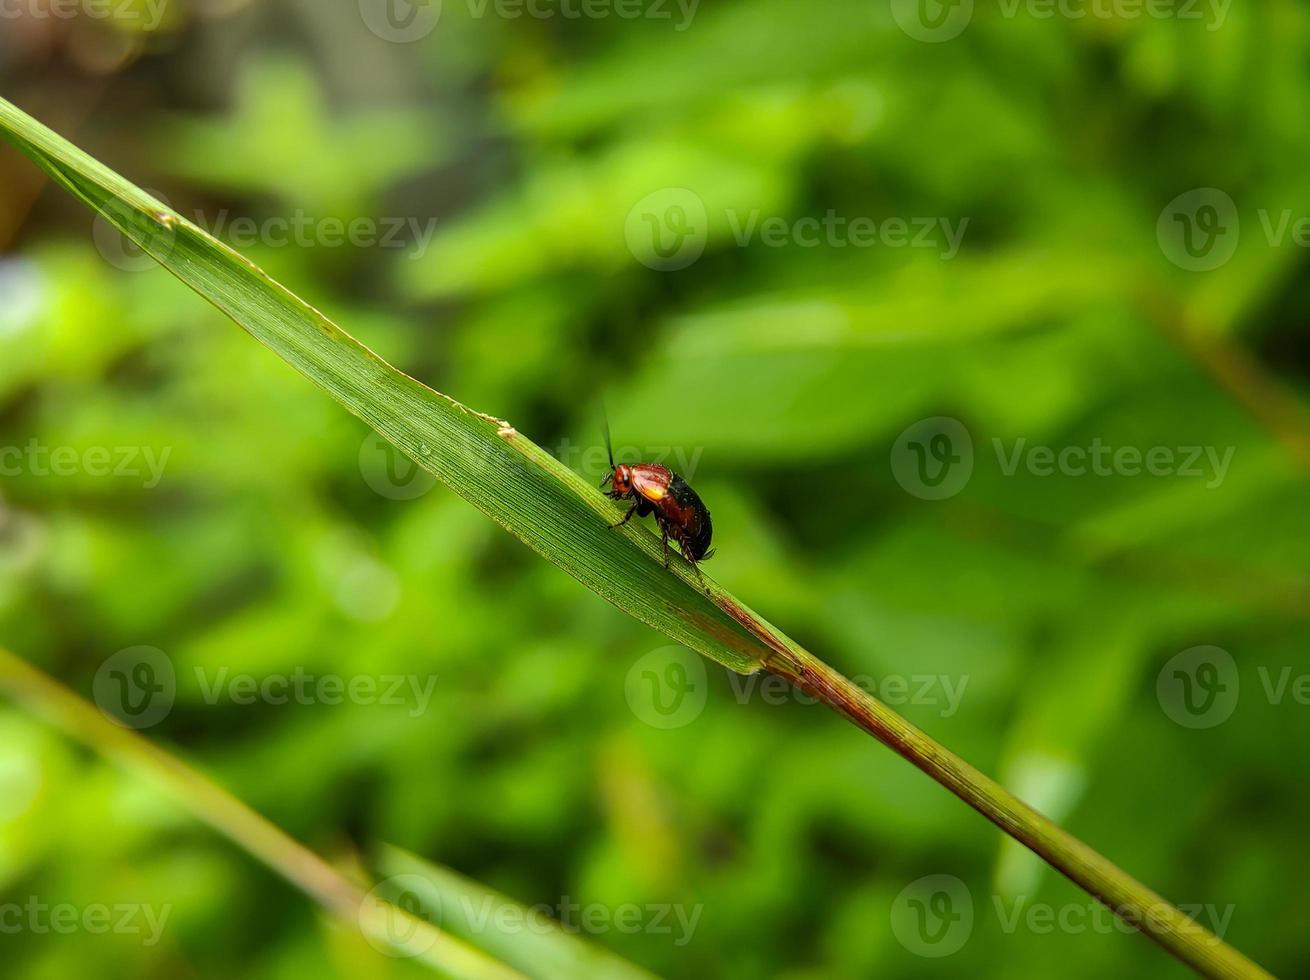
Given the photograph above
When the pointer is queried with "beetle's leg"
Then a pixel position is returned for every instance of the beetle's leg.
(664, 533)
(695, 566)
(626, 517)
(686, 553)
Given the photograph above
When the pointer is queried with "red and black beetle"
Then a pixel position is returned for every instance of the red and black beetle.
(656, 489)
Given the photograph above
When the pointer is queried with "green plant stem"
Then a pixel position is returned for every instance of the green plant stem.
(210, 803)
(1128, 898)
(1132, 901)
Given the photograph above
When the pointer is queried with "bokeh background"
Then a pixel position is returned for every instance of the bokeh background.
(575, 210)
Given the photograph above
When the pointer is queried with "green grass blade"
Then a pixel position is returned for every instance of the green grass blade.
(384, 924)
(484, 460)
(501, 927)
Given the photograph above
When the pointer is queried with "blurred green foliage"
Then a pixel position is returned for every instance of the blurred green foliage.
(786, 374)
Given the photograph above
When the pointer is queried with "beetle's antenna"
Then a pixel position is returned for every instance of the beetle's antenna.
(605, 429)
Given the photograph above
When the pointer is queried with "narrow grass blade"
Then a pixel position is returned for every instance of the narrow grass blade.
(384, 924)
(516, 934)
(483, 459)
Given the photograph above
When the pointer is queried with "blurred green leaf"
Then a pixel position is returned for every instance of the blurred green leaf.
(521, 936)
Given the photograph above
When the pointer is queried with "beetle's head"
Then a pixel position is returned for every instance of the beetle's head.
(622, 478)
